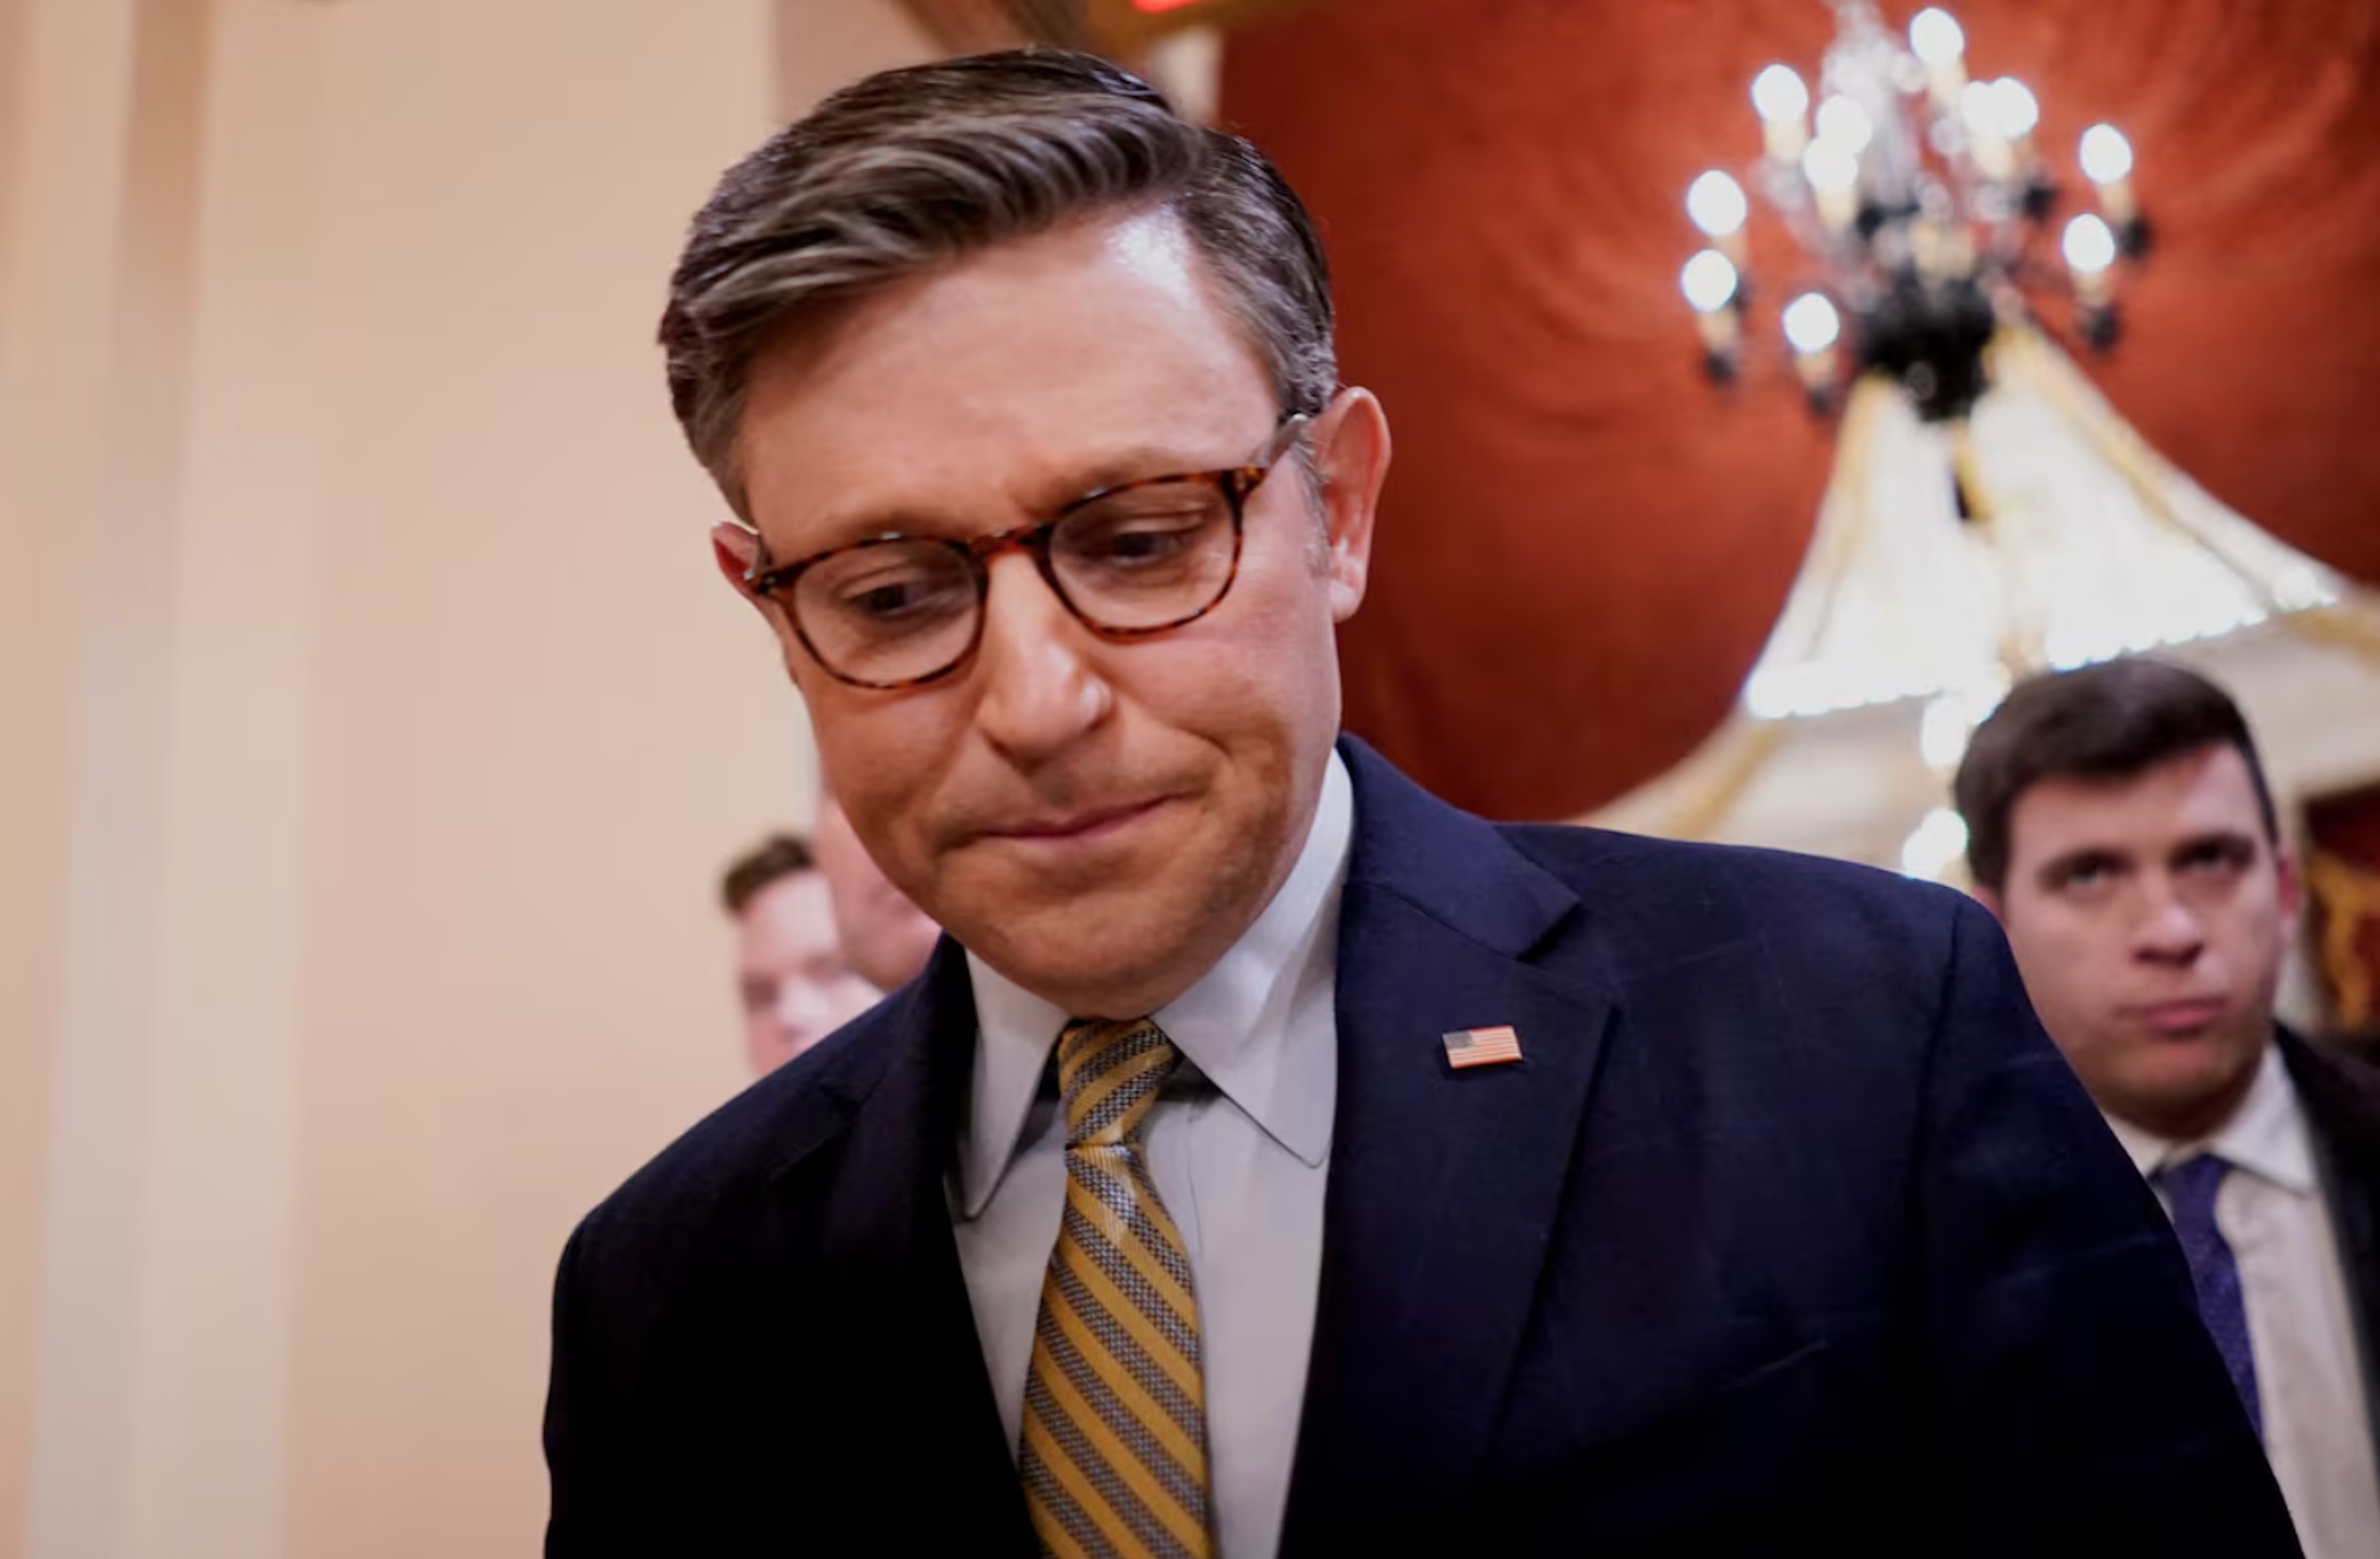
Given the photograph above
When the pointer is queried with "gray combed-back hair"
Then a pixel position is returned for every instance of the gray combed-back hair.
(911, 168)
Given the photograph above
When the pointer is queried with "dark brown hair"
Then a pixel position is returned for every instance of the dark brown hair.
(2108, 721)
(911, 168)
(773, 859)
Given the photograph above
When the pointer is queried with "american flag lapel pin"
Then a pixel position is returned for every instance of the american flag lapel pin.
(1481, 1047)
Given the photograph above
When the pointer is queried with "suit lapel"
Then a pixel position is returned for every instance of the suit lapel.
(1444, 1185)
(864, 1203)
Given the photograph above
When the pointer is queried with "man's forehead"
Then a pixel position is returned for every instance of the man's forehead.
(1097, 349)
(1153, 245)
(2206, 790)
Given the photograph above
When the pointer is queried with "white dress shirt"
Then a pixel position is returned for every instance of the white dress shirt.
(2309, 1375)
(1238, 1145)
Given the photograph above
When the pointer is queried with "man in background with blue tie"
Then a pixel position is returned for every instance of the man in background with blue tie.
(1273, 1159)
(2122, 828)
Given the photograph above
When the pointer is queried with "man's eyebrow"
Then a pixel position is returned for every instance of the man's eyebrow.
(839, 526)
(2227, 840)
(1140, 464)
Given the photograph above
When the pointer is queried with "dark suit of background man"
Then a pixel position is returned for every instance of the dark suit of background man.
(1274, 1158)
(2120, 824)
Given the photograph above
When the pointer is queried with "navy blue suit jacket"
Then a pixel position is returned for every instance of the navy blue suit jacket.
(1790, 1234)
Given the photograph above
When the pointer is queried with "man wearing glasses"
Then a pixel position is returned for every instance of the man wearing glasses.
(1274, 1159)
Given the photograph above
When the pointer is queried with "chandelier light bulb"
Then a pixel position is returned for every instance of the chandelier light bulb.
(1935, 37)
(1935, 846)
(1716, 205)
(1979, 109)
(1831, 166)
(2089, 245)
(1811, 324)
(2013, 108)
(2106, 155)
(1778, 96)
(1709, 281)
(1842, 120)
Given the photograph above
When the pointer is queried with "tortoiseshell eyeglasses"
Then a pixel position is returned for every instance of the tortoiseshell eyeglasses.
(1129, 560)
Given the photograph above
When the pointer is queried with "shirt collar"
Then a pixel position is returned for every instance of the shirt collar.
(2266, 1135)
(1236, 1024)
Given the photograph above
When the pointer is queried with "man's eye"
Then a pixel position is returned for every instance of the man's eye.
(1152, 532)
(883, 600)
(2085, 874)
(2217, 857)
(1147, 542)
(894, 596)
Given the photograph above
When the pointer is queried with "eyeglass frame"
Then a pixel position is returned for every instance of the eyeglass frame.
(774, 583)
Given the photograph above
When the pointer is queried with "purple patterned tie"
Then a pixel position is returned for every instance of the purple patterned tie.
(2189, 1190)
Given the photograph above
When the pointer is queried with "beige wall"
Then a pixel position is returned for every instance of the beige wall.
(52, 352)
(373, 733)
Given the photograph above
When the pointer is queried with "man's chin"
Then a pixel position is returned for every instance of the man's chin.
(1093, 966)
(2188, 1094)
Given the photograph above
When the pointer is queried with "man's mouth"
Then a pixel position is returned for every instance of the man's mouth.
(2179, 1016)
(1083, 826)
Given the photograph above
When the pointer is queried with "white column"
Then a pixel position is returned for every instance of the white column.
(162, 1261)
(64, 83)
(214, 1283)
(82, 450)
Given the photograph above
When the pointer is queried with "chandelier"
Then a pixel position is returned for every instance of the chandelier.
(1920, 208)
(1937, 260)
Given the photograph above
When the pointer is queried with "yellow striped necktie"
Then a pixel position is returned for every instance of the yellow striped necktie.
(1114, 1459)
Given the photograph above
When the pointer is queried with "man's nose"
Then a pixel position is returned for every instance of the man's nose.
(1039, 691)
(2169, 930)
(801, 1008)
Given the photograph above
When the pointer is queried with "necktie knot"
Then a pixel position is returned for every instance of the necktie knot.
(1108, 1075)
(2191, 1186)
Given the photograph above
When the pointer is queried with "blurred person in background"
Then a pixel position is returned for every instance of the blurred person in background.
(2120, 826)
(795, 984)
(885, 937)
(1274, 1159)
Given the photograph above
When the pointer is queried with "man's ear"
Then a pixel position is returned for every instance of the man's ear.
(1351, 458)
(1990, 900)
(735, 549)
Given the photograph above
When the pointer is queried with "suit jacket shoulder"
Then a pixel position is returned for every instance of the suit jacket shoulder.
(1658, 898)
(2339, 1091)
(749, 1137)
(775, 1305)
(1791, 1229)
(658, 1229)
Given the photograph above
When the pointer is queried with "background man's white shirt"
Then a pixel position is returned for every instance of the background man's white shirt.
(2310, 1380)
